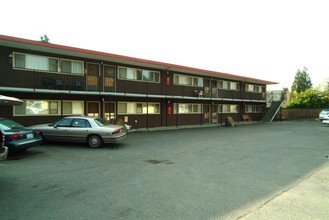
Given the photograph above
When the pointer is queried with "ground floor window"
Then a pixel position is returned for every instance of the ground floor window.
(253, 109)
(49, 107)
(138, 108)
(187, 108)
(228, 108)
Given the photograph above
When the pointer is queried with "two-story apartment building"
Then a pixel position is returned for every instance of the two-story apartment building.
(56, 81)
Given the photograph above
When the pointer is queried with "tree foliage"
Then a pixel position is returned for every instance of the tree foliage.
(310, 98)
(302, 81)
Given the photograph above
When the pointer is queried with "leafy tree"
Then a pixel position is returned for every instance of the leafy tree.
(310, 98)
(326, 85)
(302, 81)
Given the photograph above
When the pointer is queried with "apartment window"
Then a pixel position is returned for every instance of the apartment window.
(71, 67)
(187, 108)
(253, 88)
(36, 107)
(228, 85)
(228, 108)
(45, 107)
(138, 108)
(66, 66)
(138, 74)
(151, 76)
(188, 80)
(73, 107)
(93, 69)
(19, 60)
(27, 61)
(53, 65)
(49, 64)
(253, 109)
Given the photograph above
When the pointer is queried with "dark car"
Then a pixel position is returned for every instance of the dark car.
(3, 149)
(17, 137)
(94, 131)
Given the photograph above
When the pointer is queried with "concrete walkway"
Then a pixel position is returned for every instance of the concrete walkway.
(306, 199)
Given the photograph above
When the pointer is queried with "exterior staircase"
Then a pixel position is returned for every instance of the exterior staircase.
(274, 105)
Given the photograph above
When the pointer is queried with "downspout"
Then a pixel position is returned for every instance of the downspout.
(61, 105)
(177, 110)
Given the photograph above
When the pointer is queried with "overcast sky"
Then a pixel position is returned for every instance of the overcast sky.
(265, 39)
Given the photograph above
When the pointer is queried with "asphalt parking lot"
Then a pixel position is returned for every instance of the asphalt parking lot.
(200, 173)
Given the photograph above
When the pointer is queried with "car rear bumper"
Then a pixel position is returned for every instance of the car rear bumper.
(3, 153)
(115, 139)
(24, 144)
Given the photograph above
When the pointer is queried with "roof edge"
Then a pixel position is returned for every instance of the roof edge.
(128, 58)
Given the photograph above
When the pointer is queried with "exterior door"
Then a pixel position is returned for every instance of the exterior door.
(92, 77)
(206, 84)
(93, 109)
(214, 114)
(109, 110)
(109, 78)
(214, 89)
(206, 110)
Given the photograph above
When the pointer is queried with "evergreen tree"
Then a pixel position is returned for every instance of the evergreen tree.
(302, 81)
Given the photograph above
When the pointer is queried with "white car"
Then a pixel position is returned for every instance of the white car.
(82, 129)
(324, 115)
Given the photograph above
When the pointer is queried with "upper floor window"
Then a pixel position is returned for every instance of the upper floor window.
(49, 64)
(138, 74)
(70, 66)
(188, 80)
(228, 85)
(253, 88)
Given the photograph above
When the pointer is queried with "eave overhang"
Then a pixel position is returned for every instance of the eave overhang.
(20, 43)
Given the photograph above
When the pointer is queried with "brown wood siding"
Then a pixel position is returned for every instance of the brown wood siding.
(15, 78)
(232, 94)
(137, 87)
(142, 121)
(189, 119)
(253, 96)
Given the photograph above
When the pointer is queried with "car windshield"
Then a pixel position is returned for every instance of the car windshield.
(6, 125)
(101, 122)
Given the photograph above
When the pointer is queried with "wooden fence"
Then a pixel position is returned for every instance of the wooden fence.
(294, 113)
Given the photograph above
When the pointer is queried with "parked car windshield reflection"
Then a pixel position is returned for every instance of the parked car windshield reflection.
(7, 125)
(101, 122)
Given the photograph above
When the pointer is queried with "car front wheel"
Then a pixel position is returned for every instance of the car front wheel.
(95, 141)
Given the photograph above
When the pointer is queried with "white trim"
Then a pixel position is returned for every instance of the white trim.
(124, 94)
